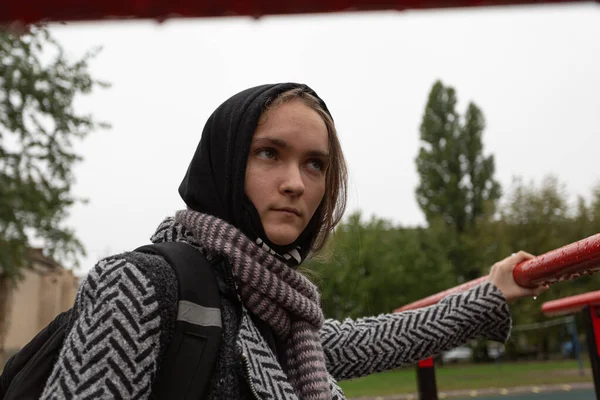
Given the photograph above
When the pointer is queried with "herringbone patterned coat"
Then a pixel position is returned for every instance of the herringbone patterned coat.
(125, 308)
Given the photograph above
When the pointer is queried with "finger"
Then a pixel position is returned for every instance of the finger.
(535, 292)
(509, 263)
(523, 255)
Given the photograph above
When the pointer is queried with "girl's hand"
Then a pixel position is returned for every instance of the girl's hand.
(501, 276)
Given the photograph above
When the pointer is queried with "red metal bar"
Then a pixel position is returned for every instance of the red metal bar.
(570, 305)
(433, 299)
(29, 11)
(567, 262)
(426, 363)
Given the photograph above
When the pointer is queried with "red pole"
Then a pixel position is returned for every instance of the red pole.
(433, 299)
(567, 262)
(426, 383)
(572, 304)
(29, 11)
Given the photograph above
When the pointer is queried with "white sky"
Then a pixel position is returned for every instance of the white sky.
(535, 72)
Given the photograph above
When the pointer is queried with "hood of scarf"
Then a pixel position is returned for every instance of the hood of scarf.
(214, 182)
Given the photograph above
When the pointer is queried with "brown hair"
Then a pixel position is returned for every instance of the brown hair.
(333, 205)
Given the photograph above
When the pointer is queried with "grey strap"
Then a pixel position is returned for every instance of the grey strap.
(198, 315)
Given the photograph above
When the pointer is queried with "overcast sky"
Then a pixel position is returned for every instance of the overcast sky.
(534, 71)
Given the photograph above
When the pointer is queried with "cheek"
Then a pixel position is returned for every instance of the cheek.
(250, 183)
(317, 196)
(256, 186)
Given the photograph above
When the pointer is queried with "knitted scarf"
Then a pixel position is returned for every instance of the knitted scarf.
(276, 293)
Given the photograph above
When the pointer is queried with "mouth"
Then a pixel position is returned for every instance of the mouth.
(288, 210)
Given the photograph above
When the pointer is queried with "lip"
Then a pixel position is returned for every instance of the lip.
(288, 210)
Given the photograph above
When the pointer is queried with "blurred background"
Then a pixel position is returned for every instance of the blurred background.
(470, 134)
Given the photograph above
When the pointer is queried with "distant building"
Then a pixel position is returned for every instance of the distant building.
(47, 289)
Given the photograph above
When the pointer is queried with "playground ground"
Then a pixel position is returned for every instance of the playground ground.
(576, 391)
(529, 380)
(581, 394)
(583, 391)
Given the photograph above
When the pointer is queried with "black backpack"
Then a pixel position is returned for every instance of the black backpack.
(189, 360)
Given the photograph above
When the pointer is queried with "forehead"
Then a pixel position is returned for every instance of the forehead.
(296, 123)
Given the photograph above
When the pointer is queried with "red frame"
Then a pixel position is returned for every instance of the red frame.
(571, 305)
(29, 11)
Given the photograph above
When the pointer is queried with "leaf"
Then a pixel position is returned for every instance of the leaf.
(38, 125)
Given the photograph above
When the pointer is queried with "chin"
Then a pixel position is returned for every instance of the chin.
(282, 237)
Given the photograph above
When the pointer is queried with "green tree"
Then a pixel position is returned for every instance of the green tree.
(456, 179)
(594, 210)
(583, 220)
(537, 218)
(457, 184)
(375, 268)
(38, 125)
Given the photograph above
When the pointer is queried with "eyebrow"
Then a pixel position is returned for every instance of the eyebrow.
(282, 144)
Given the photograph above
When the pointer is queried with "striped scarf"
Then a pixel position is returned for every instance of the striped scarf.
(276, 293)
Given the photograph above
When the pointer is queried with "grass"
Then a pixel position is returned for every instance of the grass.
(478, 376)
(457, 377)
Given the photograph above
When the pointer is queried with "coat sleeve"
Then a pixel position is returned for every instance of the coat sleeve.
(355, 348)
(112, 349)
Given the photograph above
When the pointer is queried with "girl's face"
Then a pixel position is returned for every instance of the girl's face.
(285, 172)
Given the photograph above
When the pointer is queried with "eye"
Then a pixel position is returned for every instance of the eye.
(316, 165)
(266, 153)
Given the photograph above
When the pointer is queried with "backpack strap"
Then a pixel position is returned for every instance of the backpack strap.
(189, 361)
(25, 373)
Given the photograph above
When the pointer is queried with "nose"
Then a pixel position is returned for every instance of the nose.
(292, 183)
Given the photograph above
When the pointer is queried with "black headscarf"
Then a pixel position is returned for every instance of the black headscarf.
(214, 182)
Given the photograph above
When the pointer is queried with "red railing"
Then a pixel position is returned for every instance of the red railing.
(570, 305)
(93, 10)
(564, 263)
